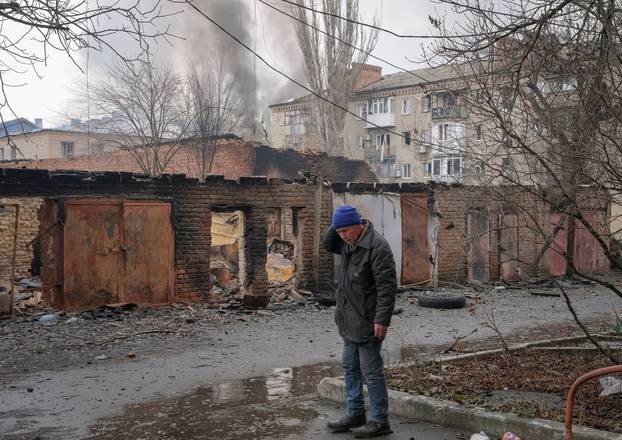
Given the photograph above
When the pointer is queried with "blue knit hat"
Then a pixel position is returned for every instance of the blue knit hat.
(346, 215)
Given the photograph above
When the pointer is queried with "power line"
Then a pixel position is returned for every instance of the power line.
(344, 42)
(245, 46)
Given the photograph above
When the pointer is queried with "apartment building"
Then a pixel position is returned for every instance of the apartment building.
(415, 126)
(412, 126)
(289, 120)
(76, 138)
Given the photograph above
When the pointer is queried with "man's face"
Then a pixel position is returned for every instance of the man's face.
(349, 234)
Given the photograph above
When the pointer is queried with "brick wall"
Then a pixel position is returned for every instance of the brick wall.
(193, 203)
(232, 159)
(28, 228)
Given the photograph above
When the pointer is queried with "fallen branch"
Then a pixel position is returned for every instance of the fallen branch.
(457, 340)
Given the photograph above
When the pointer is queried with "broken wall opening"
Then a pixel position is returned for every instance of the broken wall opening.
(27, 230)
(282, 249)
(227, 255)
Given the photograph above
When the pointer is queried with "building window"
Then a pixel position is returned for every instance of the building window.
(445, 166)
(448, 99)
(454, 166)
(478, 133)
(405, 170)
(1, 153)
(444, 132)
(363, 111)
(405, 106)
(66, 149)
(383, 139)
(436, 167)
(13, 153)
(506, 164)
(427, 168)
(507, 102)
(381, 105)
(377, 106)
(294, 118)
(426, 136)
(99, 148)
(426, 103)
(406, 135)
(478, 168)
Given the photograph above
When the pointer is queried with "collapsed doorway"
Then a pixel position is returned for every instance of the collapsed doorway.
(281, 248)
(227, 253)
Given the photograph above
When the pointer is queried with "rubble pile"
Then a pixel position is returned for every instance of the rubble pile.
(26, 296)
(283, 293)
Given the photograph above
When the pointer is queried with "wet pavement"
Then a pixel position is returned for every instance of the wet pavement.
(279, 406)
(253, 376)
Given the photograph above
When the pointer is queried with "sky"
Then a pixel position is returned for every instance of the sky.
(48, 93)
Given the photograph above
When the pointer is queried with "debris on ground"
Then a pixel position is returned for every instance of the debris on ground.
(279, 268)
(287, 292)
(611, 385)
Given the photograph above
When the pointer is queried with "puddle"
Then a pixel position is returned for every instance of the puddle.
(263, 407)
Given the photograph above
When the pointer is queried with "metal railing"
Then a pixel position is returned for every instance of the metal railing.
(450, 112)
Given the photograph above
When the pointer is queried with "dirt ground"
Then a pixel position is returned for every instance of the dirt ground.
(93, 366)
(530, 383)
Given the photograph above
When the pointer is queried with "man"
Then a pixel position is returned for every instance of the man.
(365, 298)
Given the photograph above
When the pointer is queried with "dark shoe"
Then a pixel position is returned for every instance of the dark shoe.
(372, 429)
(346, 423)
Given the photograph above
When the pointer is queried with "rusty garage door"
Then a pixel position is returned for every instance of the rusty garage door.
(478, 231)
(415, 263)
(508, 246)
(588, 254)
(556, 254)
(116, 252)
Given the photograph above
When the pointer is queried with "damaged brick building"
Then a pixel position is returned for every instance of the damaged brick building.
(121, 237)
(106, 237)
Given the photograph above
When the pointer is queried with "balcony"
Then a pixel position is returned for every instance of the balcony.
(449, 179)
(380, 120)
(450, 112)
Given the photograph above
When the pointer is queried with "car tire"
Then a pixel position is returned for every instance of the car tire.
(442, 300)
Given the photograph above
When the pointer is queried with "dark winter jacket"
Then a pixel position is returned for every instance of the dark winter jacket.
(367, 284)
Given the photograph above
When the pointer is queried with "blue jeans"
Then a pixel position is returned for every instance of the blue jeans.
(362, 362)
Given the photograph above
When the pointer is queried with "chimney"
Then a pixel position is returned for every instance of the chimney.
(39, 123)
(367, 74)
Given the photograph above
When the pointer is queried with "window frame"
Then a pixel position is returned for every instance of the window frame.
(407, 138)
(406, 106)
(479, 133)
(406, 170)
(426, 103)
(66, 146)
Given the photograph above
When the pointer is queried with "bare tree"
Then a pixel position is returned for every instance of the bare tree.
(331, 64)
(544, 81)
(140, 104)
(33, 30)
(217, 106)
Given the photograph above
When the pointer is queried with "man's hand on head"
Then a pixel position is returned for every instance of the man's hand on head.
(380, 331)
